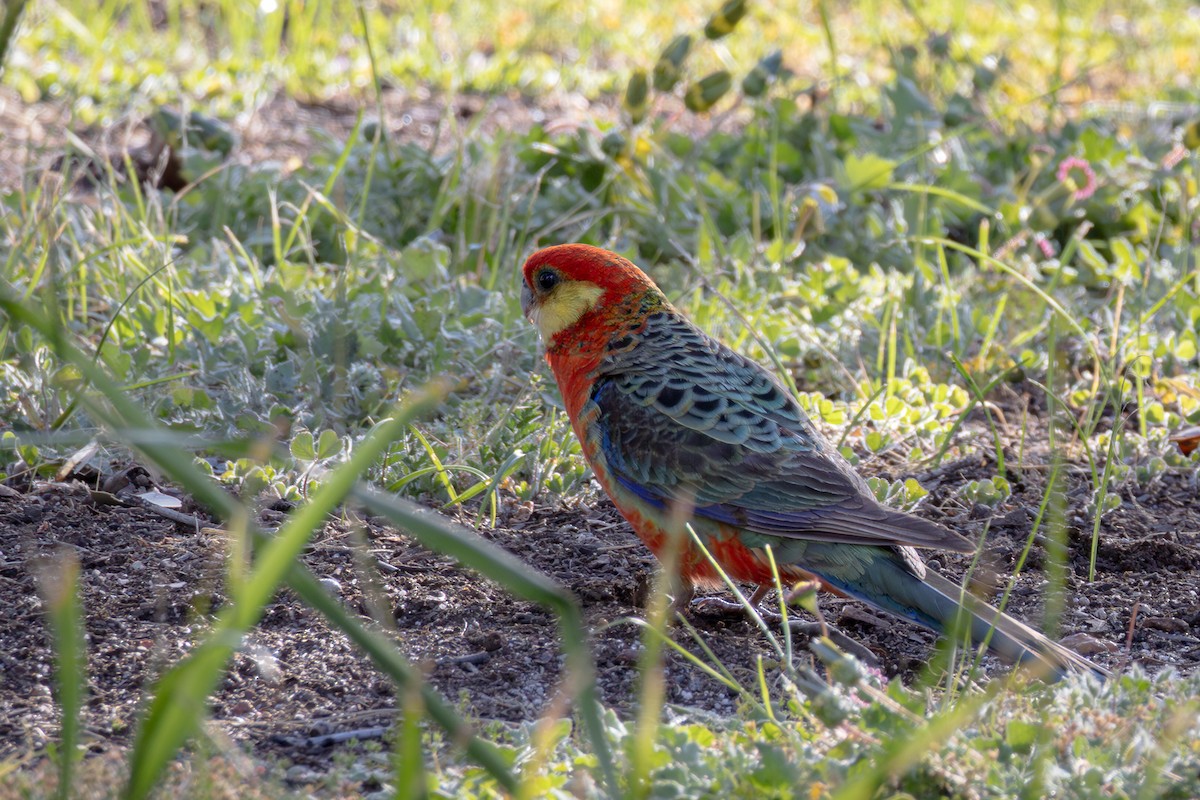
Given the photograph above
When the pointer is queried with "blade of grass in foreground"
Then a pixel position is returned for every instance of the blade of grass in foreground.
(407, 678)
(60, 588)
(902, 752)
(181, 697)
(652, 692)
(121, 414)
(521, 580)
(8, 25)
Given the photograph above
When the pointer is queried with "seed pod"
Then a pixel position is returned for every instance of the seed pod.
(1191, 135)
(637, 95)
(756, 80)
(612, 144)
(707, 91)
(677, 50)
(668, 69)
(665, 76)
(370, 129)
(771, 62)
(722, 23)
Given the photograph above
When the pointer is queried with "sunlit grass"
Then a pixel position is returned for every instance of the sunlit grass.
(125, 57)
(898, 244)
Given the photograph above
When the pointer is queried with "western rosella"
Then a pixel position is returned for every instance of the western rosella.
(668, 417)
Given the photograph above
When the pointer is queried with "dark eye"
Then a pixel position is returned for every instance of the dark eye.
(547, 279)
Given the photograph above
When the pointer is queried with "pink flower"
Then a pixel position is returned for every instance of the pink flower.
(1046, 246)
(1077, 175)
(1171, 159)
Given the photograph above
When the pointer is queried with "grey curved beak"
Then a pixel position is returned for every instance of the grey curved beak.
(526, 300)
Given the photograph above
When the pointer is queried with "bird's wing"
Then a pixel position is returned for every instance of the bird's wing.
(684, 419)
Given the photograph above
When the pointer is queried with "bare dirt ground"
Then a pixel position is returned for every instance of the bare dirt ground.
(150, 587)
(33, 137)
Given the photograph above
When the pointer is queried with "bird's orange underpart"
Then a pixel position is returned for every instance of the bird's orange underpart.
(741, 563)
(692, 566)
(750, 565)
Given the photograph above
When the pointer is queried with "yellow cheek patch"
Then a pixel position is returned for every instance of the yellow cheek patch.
(565, 305)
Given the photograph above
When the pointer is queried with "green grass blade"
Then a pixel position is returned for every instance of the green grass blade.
(903, 752)
(518, 578)
(12, 15)
(60, 588)
(189, 683)
(387, 658)
(180, 697)
(949, 194)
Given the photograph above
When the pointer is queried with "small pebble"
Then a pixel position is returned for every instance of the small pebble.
(1087, 645)
(241, 708)
(1168, 624)
(298, 773)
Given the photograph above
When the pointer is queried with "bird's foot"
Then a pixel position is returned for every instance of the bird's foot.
(842, 640)
(681, 601)
(726, 609)
(720, 608)
(716, 607)
(804, 592)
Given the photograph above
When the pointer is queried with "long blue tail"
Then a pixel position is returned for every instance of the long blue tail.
(934, 602)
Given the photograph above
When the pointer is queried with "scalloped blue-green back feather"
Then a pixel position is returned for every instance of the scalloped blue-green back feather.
(685, 419)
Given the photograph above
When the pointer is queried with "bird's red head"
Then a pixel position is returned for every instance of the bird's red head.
(565, 282)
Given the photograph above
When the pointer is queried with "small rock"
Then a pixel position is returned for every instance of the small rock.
(1168, 624)
(241, 708)
(1019, 517)
(854, 614)
(626, 655)
(979, 511)
(332, 585)
(298, 773)
(489, 642)
(1087, 645)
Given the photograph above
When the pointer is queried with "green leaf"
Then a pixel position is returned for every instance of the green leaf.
(868, 171)
(1185, 349)
(908, 99)
(1128, 263)
(328, 445)
(1021, 736)
(842, 129)
(29, 453)
(775, 768)
(302, 447)
(188, 397)
(68, 378)
(914, 490)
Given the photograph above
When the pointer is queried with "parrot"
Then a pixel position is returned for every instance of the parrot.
(668, 418)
